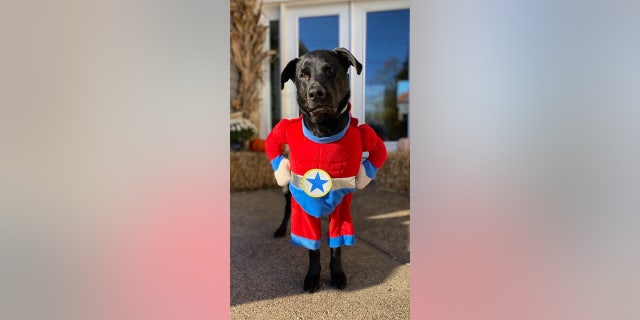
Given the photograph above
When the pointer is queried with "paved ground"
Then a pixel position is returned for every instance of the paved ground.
(267, 273)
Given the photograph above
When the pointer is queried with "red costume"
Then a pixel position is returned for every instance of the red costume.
(324, 172)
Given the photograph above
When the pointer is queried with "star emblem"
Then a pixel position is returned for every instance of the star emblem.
(317, 183)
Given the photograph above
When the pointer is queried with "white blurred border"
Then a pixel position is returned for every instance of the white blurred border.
(114, 165)
(524, 159)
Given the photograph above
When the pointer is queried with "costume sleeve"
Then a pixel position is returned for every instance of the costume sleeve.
(275, 141)
(377, 151)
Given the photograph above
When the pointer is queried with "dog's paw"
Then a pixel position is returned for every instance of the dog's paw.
(281, 232)
(339, 279)
(311, 282)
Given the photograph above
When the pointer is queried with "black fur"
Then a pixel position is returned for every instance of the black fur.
(282, 229)
(322, 87)
(323, 93)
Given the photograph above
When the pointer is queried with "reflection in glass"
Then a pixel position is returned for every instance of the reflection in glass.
(318, 33)
(387, 73)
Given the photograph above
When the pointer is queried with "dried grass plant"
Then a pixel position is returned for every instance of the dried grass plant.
(248, 35)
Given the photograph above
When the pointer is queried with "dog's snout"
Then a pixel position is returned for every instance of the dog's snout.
(316, 92)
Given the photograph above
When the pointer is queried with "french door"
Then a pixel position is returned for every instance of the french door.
(377, 33)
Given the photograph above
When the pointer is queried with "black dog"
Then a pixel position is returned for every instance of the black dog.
(321, 102)
(323, 93)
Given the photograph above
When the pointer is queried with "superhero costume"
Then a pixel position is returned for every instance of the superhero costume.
(323, 176)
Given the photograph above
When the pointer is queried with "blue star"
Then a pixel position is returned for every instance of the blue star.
(317, 183)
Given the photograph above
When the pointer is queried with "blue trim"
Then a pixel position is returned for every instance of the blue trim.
(342, 241)
(370, 169)
(275, 163)
(328, 139)
(304, 242)
(319, 207)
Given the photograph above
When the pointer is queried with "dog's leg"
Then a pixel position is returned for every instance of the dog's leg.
(338, 278)
(312, 279)
(282, 229)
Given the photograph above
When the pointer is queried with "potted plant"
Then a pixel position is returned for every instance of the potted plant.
(241, 131)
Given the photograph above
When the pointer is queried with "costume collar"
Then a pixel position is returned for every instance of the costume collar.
(328, 139)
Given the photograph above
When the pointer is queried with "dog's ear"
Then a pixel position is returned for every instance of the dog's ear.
(289, 72)
(348, 59)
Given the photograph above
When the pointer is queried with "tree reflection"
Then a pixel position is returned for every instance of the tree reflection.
(382, 100)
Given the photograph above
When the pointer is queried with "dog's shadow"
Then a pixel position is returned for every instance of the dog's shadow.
(264, 267)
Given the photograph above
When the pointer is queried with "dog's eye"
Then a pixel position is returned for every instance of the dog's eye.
(304, 76)
(329, 70)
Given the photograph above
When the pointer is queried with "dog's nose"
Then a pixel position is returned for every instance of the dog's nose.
(316, 92)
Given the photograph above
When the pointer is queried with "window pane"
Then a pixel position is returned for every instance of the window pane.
(318, 33)
(387, 73)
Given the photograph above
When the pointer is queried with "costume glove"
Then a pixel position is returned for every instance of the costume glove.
(362, 180)
(283, 173)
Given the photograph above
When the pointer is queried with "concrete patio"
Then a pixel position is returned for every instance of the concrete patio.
(267, 272)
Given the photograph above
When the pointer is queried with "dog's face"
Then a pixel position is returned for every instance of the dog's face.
(321, 82)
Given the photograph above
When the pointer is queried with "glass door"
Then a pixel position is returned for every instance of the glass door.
(318, 33)
(381, 98)
(306, 29)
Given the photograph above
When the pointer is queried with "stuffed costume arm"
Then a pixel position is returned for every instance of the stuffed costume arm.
(273, 148)
(377, 156)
